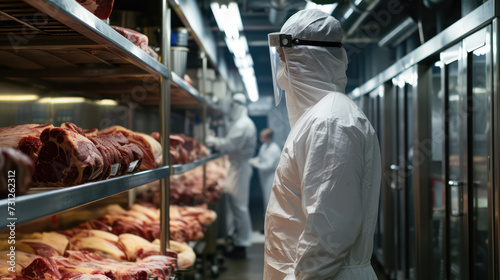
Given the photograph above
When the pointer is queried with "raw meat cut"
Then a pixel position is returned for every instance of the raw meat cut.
(100, 8)
(10, 136)
(42, 268)
(187, 188)
(137, 247)
(160, 266)
(116, 150)
(153, 214)
(73, 127)
(95, 224)
(18, 165)
(195, 149)
(25, 137)
(152, 150)
(23, 259)
(102, 247)
(53, 239)
(81, 233)
(185, 254)
(133, 36)
(66, 158)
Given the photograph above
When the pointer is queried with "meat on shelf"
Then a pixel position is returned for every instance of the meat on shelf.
(187, 188)
(183, 149)
(68, 155)
(100, 8)
(79, 252)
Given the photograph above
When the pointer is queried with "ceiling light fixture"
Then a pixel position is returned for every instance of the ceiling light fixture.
(17, 98)
(228, 18)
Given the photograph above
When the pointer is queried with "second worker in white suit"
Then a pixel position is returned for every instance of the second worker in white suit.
(239, 144)
(266, 163)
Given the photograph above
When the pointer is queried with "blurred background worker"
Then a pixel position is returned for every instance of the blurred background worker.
(266, 163)
(322, 212)
(239, 143)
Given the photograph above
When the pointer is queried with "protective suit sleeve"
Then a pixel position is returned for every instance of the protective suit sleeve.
(331, 200)
(269, 160)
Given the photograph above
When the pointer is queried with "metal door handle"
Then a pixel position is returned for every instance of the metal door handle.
(455, 183)
(456, 198)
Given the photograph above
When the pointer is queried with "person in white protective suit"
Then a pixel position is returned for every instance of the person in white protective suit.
(239, 143)
(266, 163)
(322, 211)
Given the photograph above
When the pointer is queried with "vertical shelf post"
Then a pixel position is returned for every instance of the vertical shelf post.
(165, 129)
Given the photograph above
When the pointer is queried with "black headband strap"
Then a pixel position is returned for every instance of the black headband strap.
(316, 43)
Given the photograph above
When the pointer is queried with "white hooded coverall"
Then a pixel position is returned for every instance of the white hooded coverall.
(240, 143)
(266, 163)
(322, 211)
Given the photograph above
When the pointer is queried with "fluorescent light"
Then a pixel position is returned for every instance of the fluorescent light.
(246, 72)
(228, 18)
(61, 100)
(251, 86)
(247, 61)
(18, 97)
(106, 102)
(239, 46)
(348, 13)
(325, 8)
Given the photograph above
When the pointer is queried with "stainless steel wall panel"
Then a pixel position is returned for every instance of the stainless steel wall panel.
(460, 29)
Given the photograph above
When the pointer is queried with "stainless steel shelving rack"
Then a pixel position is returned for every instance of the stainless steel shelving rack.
(57, 45)
(36, 205)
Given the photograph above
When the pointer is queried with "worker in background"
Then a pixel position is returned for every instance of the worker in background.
(322, 211)
(239, 143)
(266, 163)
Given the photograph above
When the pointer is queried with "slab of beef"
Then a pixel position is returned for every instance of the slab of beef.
(178, 154)
(160, 266)
(152, 151)
(93, 224)
(194, 148)
(82, 233)
(66, 158)
(42, 268)
(25, 137)
(16, 168)
(102, 247)
(100, 8)
(137, 247)
(46, 244)
(133, 36)
(118, 154)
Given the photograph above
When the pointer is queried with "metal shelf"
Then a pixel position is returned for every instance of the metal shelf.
(181, 168)
(184, 95)
(60, 46)
(32, 206)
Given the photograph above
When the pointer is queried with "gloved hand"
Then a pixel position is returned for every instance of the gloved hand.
(210, 141)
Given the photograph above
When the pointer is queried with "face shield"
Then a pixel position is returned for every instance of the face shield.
(277, 43)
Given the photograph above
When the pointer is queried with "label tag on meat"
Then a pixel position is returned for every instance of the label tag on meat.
(114, 169)
(132, 165)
